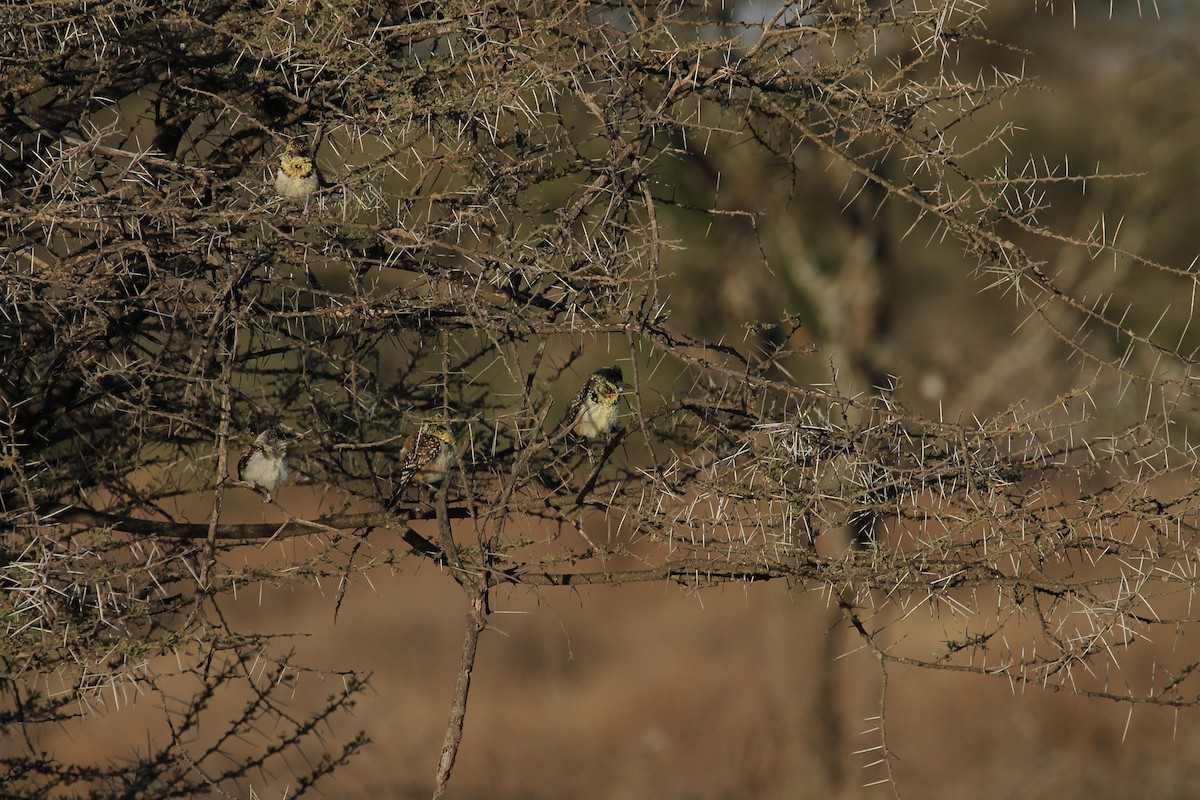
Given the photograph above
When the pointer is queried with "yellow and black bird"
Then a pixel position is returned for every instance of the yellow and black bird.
(427, 456)
(297, 176)
(596, 410)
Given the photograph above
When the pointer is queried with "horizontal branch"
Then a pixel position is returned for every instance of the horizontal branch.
(688, 570)
(258, 530)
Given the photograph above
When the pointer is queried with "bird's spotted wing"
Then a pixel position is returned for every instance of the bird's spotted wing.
(417, 452)
(243, 461)
(576, 407)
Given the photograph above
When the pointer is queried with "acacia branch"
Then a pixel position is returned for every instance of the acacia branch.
(253, 530)
(476, 588)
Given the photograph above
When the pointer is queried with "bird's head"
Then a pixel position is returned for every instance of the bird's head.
(274, 438)
(439, 428)
(295, 148)
(607, 383)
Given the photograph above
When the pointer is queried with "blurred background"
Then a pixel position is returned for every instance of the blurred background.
(653, 691)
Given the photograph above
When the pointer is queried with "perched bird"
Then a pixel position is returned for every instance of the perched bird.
(297, 176)
(427, 456)
(595, 411)
(265, 463)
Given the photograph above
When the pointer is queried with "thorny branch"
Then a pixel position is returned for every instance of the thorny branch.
(512, 199)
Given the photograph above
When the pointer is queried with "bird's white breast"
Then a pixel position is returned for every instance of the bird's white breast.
(597, 420)
(437, 467)
(288, 186)
(264, 471)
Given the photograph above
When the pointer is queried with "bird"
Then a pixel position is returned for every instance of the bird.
(595, 411)
(427, 456)
(297, 176)
(265, 462)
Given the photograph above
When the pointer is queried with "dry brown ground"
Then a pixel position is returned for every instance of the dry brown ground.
(649, 691)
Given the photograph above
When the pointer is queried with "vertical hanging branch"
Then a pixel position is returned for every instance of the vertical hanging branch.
(650, 307)
(886, 756)
(845, 610)
(228, 355)
(476, 622)
(475, 587)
